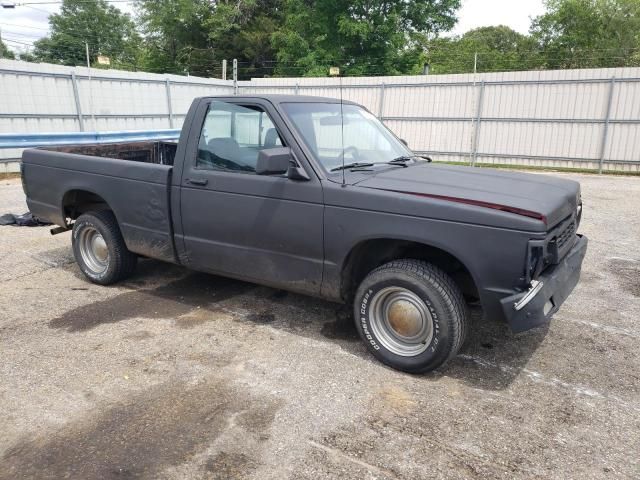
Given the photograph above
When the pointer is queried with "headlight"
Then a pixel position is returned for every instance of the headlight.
(534, 262)
(578, 214)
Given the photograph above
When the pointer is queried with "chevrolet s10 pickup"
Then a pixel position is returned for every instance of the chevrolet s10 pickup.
(317, 196)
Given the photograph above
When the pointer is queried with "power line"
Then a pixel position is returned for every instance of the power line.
(23, 26)
(16, 41)
(60, 2)
(19, 34)
(39, 9)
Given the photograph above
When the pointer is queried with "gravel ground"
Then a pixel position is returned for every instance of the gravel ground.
(175, 374)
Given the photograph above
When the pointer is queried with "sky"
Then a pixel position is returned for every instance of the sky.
(23, 25)
(482, 13)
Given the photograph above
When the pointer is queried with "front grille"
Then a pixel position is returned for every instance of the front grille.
(561, 241)
(566, 235)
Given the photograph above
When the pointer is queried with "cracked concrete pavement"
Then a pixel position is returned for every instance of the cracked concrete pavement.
(175, 374)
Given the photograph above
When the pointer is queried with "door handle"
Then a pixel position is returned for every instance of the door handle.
(197, 181)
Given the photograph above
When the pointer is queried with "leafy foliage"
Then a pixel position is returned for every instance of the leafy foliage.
(497, 48)
(5, 52)
(243, 30)
(106, 29)
(176, 40)
(362, 36)
(196, 35)
(589, 33)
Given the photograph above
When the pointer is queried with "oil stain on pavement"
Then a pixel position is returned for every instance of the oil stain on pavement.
(167, 301)
(627, 272)
(340, 329)
(229, 465)
(148, 433)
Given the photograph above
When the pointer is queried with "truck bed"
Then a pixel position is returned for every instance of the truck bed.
(161, 153)
(133, 179)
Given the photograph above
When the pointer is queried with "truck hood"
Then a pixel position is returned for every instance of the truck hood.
(549, 199)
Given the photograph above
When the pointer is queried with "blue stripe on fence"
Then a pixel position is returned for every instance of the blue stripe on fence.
(26, 140)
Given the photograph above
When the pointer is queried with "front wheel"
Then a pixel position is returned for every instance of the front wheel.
(411, 315)
(99, 248)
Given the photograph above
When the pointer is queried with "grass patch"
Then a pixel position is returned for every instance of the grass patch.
(505, 166)
(9, 175)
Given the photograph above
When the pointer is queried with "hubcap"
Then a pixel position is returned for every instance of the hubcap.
(405, 318)
(401, 321)
(93, 250)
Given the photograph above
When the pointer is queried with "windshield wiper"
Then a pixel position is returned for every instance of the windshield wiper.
(401, 161)
(352, 165)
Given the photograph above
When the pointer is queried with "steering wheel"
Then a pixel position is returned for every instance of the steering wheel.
(355, 153)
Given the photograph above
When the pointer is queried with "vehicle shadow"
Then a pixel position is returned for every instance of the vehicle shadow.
(491, 358)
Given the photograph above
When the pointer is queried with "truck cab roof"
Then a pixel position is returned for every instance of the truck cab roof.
(280, 98)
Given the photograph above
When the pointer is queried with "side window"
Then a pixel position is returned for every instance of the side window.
(232, 135)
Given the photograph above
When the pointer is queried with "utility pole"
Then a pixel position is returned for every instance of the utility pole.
(93, 118)
(474, 127)
(235, 76)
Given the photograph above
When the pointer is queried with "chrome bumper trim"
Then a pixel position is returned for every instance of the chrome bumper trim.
(535, 288)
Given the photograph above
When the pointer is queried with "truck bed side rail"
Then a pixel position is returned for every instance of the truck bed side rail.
(27, 140)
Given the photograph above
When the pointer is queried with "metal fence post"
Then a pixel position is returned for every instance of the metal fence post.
(76, 96)
(224, 69)
(381, 105)
(167, 84)
(235, 76)
(476, 130)
(297, 89)
(607, 120)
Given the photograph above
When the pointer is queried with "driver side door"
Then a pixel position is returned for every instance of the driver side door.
(265, 229)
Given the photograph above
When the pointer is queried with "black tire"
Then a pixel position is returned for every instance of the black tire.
(441, 299)
(120, 262)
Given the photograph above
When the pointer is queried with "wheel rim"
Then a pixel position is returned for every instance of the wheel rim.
(401, 321)
(94, 250)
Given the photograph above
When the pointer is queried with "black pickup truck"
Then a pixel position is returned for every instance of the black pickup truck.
(315, 195)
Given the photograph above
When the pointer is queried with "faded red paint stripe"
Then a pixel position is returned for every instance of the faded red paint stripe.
(477, 203)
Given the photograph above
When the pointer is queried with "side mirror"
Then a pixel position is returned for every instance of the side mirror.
(278, 161)
(274, 161)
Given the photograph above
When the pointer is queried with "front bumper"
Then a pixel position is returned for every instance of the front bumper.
(524, 311)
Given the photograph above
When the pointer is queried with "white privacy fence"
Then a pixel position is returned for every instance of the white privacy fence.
(570, 118)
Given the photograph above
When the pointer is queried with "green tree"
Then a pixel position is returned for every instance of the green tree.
(243, 30)
(106, 29)
(362, 37)
(5, 52)
(27, 57)
(498, 48)
(175, 37)
(196, 35)
(589, 33)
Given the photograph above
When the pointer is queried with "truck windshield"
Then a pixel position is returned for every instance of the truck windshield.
(366, 140)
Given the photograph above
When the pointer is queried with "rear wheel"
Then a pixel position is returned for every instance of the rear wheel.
(99, 248)
(411, 315)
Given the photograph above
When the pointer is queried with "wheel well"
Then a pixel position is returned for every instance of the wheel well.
(77, 202)
(370, 254)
